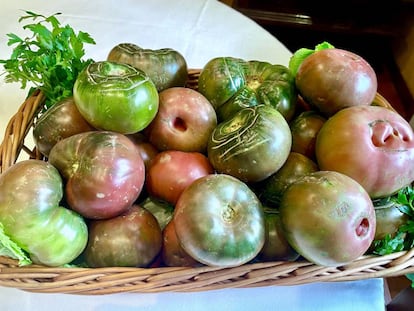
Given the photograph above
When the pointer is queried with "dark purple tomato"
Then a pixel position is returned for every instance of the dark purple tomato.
(132, 239)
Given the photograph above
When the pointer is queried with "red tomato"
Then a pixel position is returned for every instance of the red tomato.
(333, 79)
(172, 171)
(371, 144)
(173, 255)
(184, 121)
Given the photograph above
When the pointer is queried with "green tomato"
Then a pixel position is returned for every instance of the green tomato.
(166, 67)
(116, 97)
(219, 221)
(252, 145)
(232, 84)
(30, 193)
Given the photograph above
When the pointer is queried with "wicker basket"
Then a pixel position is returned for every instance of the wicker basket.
(97, 281)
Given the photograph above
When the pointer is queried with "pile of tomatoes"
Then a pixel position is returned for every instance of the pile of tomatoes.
(256, 163)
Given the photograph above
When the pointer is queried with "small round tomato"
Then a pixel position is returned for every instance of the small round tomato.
(276, 247)
(132, 239)
(171, 171)
(173, 255)
(305, 128)
(219, 221)
(296, 166)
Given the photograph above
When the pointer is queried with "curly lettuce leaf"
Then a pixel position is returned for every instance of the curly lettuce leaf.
(8, 248)
(299, 56)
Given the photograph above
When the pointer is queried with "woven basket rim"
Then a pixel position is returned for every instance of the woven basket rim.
(98, 281)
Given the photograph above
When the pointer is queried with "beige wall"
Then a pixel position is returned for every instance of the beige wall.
(404, 56)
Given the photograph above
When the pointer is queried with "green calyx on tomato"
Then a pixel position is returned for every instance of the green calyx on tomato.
(232, 84)
(252, 145)
(116, 97)
(166, 67)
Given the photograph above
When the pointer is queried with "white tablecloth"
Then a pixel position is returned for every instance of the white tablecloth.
(200, 30)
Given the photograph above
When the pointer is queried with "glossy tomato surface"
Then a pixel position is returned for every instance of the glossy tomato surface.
(371, 144)
(104, 172)
(305, 128)
(232, 84)
(173, 255)
(252, 145)
(276, 247)
(219, 221)
(166, 67)
(115, 97)
(171, 171)
(333, 79)
(271, 189)
(132, 239)
(30, 212)
(328, 218)
(184, 121)
(59, 121)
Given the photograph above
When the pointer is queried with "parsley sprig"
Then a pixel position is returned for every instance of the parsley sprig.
(50, 59)
(404, 238)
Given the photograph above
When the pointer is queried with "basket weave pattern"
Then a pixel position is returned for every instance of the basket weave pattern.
(98, 281)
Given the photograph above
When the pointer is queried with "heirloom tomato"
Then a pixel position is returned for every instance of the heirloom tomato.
(166, 67)
(173, 255)
(171, 171)
(271, 189)
(59, 121)
(104, 172)
(328, 218)
(132, 239)
(252, 145)
(373, 145)
(332, 79)
(276, 247)
(115, 97)
(305, 128)
(184, 121)
(219, 221)
(231, 84)
(30, 212)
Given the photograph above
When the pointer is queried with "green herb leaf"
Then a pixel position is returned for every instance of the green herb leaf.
(49, 59)
(299, 56)
(404, 239)
(8, 248)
